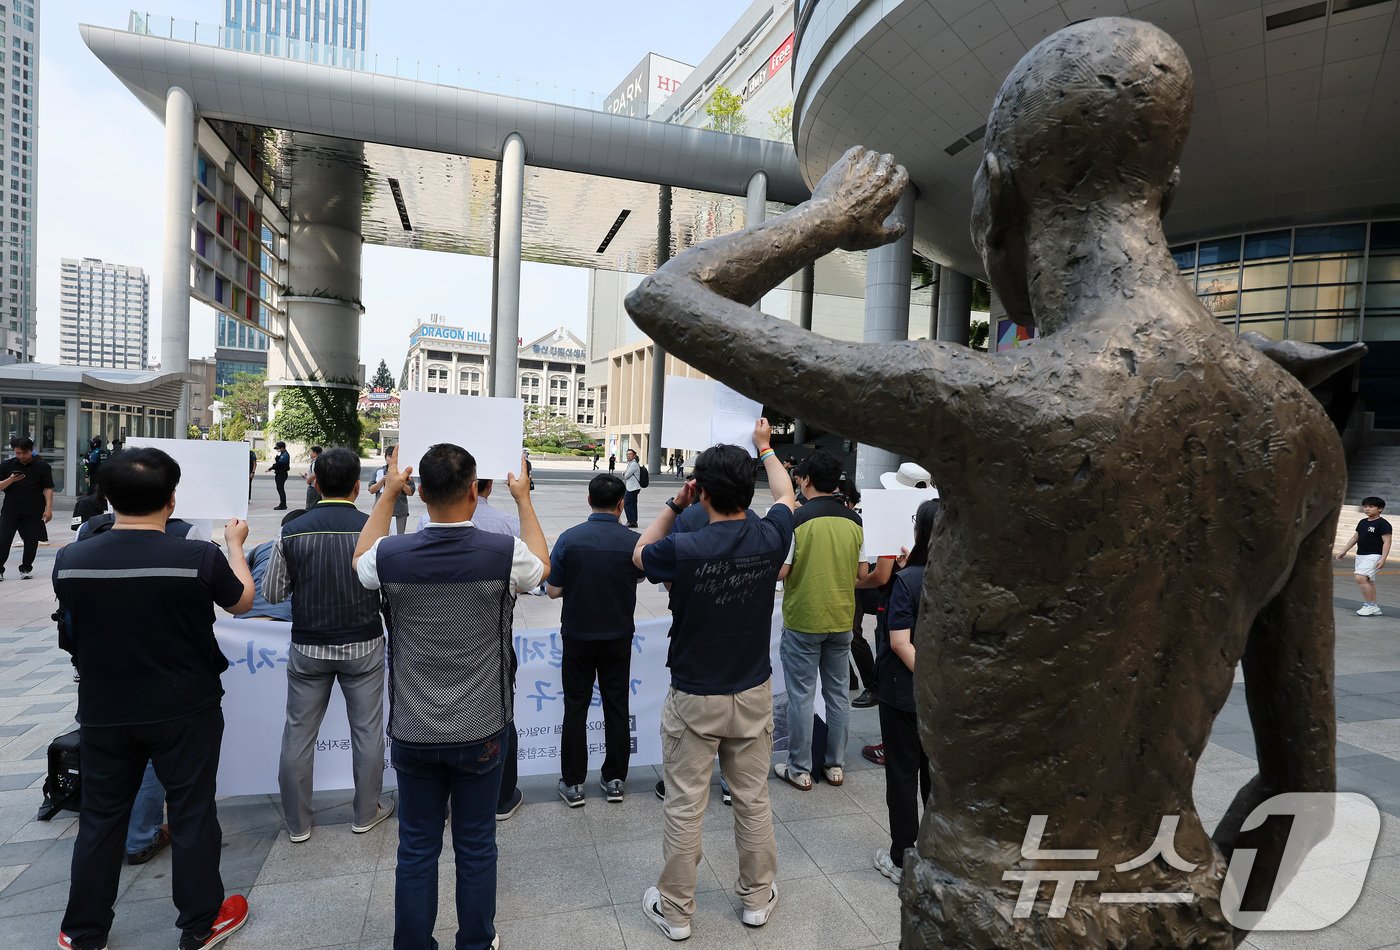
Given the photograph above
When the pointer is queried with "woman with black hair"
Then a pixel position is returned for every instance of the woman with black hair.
(906, 763)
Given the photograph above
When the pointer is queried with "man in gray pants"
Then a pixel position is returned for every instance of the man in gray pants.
(337, 634)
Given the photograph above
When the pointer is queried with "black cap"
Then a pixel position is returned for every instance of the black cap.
(280, 445)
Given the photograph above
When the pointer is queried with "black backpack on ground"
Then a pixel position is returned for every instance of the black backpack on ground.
(63, 785)
(644, 478)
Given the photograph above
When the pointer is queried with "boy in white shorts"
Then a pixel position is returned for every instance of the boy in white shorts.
(1372, 541)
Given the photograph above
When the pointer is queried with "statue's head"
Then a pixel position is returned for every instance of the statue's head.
(1093, 115)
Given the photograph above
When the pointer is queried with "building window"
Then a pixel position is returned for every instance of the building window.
(437, 378)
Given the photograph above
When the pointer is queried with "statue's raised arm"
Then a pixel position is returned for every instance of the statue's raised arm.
(698, 306)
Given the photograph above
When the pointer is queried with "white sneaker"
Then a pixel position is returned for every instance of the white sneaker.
(757, 918)
(1369, 610)
(886, 866)
(651, 906)
(300, 836)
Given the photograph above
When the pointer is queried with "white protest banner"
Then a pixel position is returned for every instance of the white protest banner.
(888, 517)
(255, 703)
(492, 430)
(213, 477)
(699, 413)
(255, 710)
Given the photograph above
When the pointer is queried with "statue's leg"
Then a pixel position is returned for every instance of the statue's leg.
(1289, 680)
(941, 911)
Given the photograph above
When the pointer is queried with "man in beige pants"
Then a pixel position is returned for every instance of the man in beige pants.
(721, 698)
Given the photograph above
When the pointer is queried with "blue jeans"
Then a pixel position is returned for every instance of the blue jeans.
(629, 506)
(471, 775)
(147, 812)
(803, 656)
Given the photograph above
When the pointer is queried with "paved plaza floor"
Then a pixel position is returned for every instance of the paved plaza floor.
(574, 878)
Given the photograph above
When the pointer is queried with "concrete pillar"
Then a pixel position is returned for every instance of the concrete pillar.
(658, 354)
(175, 251)
(888, 271)
(933, 309)
(954, 306)
(807, 292)
(321, 334)
(505, 317)
(71, 466)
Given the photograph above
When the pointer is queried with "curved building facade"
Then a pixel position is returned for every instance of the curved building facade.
(1286, 217)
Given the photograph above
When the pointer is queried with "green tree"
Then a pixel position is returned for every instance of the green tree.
(781, 121)
(726, 112)
(245, 406)
(981, 296)
(544, 427)
(317, 414)
(977, 335)
(383, 379)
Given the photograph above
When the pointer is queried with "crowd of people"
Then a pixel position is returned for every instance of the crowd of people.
(149, 693)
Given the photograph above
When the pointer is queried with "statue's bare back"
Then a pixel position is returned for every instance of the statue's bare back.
(1134, 504)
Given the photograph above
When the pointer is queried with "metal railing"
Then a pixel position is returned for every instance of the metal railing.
(252, 41)
(216, 34)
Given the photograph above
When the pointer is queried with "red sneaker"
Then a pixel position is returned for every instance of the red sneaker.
(232, 915)
(875, 753)
(65, 942)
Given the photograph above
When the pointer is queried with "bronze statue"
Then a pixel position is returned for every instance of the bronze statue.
(1132, 505)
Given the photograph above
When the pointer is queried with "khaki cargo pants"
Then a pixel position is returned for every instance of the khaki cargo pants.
(739, 728)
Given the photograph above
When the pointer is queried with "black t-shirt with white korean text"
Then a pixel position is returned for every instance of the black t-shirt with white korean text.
(140, 606)
(722, 585)
(1370, 535)
(25, 498)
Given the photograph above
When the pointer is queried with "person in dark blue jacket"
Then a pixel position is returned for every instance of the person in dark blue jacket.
(906, 763)
(591, 568)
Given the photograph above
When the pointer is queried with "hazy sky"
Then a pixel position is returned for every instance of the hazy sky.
(100, 152)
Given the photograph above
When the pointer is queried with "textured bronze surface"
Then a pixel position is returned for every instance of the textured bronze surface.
(1132, 504)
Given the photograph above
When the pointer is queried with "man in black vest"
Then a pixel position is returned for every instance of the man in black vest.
(451, 590)
(337, 634)
(591, 568)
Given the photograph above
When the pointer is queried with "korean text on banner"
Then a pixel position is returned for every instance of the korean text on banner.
(888, 517)
(255, 702)
(492, 430)
(213, 477)
(699, 413)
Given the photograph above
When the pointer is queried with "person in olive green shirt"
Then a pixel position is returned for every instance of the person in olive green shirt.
(823, 569)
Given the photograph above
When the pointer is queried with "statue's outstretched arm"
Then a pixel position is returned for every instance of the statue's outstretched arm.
(1311, 364)
(897, 395)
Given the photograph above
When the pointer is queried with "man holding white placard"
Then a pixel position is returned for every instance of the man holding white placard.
(721, 696)
(149, 692)
(451, 591)
(337, 636)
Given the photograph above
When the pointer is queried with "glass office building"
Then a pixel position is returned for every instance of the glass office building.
(1334, 283)
(331, 32)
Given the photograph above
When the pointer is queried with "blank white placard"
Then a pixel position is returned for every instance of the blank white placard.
(491, 429)
(213, 476)
(888, 517)
(686, 413)
(699, 413)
